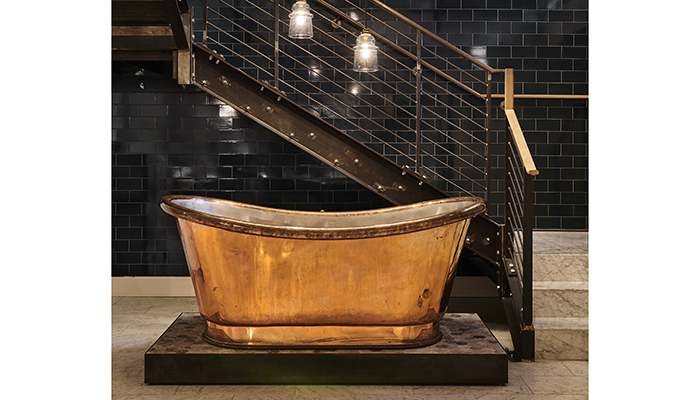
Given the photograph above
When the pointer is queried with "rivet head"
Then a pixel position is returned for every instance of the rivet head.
(356, 161)
(291, 134)
(312, 135)
(247, 108)
(268, 108)
(336, 161)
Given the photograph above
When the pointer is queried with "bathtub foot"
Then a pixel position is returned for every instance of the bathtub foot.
(322, 336)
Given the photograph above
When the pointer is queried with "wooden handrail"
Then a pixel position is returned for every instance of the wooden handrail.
(543, 96)
(520, 143)
(515, 128)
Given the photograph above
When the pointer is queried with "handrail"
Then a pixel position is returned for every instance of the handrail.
(514, 124)
(543, 96)
(520, 143)
(435, 37)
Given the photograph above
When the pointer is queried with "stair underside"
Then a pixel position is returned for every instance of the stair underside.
(148, 30)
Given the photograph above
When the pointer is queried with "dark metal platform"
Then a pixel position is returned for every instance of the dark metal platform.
(467, 354)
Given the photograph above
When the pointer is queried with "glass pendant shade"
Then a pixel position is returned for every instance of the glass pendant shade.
(300, 26)
(365, 53)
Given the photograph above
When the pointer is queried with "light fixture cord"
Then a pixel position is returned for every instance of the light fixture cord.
(366, 16)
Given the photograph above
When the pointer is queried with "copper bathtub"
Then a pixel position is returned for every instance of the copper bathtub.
(271, 278)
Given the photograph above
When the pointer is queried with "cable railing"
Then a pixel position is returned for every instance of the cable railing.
(421, 109)
(518, 227)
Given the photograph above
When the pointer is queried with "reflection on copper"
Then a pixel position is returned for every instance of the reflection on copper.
(270, 278)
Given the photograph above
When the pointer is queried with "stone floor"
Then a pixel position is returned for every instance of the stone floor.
(137, 322)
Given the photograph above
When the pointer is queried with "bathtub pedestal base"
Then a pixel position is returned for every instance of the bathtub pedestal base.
(467, 354)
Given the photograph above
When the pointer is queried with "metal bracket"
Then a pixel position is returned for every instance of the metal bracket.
(484, 238)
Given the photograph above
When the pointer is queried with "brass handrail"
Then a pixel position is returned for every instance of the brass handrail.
(543, 96)
(520, 142)
(512, 118)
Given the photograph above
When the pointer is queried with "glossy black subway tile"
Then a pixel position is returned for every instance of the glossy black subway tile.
(535, 15)
(575, 4)
(474, 4)
(485, 15)
(498, 3)
(550, 4)
(523, 27)
(142, 98)
(498, 27)
(510, 15)
(535, 40)
(561, 16)
(524, 4)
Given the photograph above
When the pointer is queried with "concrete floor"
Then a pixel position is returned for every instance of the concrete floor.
(137, 322)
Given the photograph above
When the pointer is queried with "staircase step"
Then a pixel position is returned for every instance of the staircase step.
(560, 295)
(560, 267)
(558, 299)
(561, 338)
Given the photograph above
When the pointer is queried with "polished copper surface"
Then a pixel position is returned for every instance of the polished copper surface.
(277, 278)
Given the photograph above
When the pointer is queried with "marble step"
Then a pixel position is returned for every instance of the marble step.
(560, 267)
(560, 299)
(561, 338)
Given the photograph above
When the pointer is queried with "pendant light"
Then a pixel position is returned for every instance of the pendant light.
(300, 26)
(365, 50)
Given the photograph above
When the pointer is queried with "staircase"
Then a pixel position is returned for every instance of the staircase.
(418, 130)
(560, 298)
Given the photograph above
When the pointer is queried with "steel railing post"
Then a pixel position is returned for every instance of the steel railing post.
(277, 44)
(489, 105)
(204, 20)
(419, 73)
(528, 225)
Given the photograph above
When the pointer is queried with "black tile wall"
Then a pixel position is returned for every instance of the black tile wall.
(171, 139)
(194, 144)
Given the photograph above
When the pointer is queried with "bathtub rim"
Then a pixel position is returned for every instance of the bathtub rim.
(476, 207)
